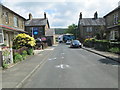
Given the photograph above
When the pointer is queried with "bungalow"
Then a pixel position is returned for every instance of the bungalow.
(11, 24)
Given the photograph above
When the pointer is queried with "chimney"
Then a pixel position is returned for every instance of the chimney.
(45, 15)
(80, 15)
(96, 15)
(30, 16)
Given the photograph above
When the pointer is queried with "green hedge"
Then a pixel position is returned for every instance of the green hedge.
(24, 54)
(17, 57)
(30, 51)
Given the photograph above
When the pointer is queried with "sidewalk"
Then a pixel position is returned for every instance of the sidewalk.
(109, 55)
(16, 76)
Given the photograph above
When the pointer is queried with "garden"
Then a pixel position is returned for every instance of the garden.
(103, 45)
(23, 46)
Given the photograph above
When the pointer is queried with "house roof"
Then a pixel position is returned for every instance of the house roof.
(12, 11)
(118, 8)
(92, 21)
(50, 32)
(37, 22)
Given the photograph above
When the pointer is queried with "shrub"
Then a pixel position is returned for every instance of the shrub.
(5, 65)
(24, 54)
(114, 50)
(23, 40)
(30, 51)
(17, 57)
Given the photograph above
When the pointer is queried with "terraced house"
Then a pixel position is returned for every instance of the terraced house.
(112, 20)
(11, 24)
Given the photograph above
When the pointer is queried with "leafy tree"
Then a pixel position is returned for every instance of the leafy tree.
(72, 29)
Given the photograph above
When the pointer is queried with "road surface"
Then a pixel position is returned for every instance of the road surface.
(74, 68)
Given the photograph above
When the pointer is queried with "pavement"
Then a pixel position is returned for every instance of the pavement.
(16, 76)
(109, 55)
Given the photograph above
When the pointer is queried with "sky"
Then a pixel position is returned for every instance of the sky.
(61, 13)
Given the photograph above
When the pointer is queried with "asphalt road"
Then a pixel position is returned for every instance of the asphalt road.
(74, 68)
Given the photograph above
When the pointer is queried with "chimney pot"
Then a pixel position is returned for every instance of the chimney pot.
(80, 15)
(30, 16)
(96, 15)
(45, 15)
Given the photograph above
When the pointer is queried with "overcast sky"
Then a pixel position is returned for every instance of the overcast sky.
(61, 13)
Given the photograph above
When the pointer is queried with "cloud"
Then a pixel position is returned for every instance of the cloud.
(61, 13)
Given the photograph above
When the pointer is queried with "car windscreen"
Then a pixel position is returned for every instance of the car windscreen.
(75, 41)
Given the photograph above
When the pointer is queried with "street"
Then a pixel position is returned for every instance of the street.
(74, 68)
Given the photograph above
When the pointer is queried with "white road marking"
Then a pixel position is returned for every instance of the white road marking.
(62, 57)
(62, 66)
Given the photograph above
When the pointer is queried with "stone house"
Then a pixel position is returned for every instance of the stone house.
(112, 20)
(37, 27)
(89, 27)
(11, 24)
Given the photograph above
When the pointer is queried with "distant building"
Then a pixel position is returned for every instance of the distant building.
(50, 35)
(37, 27)
(112, 20)
(89, 27)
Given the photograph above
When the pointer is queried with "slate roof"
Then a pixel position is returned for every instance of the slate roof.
(50, 32)
(37, 22)
(92, 21)
(118, 8)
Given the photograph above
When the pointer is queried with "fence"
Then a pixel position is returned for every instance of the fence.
(20, 50)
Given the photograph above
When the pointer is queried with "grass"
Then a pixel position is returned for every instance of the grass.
(114, 50)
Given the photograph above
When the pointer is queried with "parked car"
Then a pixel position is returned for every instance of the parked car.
(68, 42)
(76, 43)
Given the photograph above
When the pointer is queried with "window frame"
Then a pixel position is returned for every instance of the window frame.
(1, 33)
(16, 21)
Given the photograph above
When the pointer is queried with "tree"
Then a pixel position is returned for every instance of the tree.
(72, 29)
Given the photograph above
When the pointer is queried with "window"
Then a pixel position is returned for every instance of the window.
(89, 29)
(5, 14)
(114, 35)
(22, 24)
(115, 21)
(16, 24)
(1, 36)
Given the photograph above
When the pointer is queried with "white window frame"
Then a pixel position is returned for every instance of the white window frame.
(16, 22)
(6, 17)
(2, 37)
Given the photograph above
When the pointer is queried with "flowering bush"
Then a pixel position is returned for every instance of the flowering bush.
(89, 39)
(23, 40)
